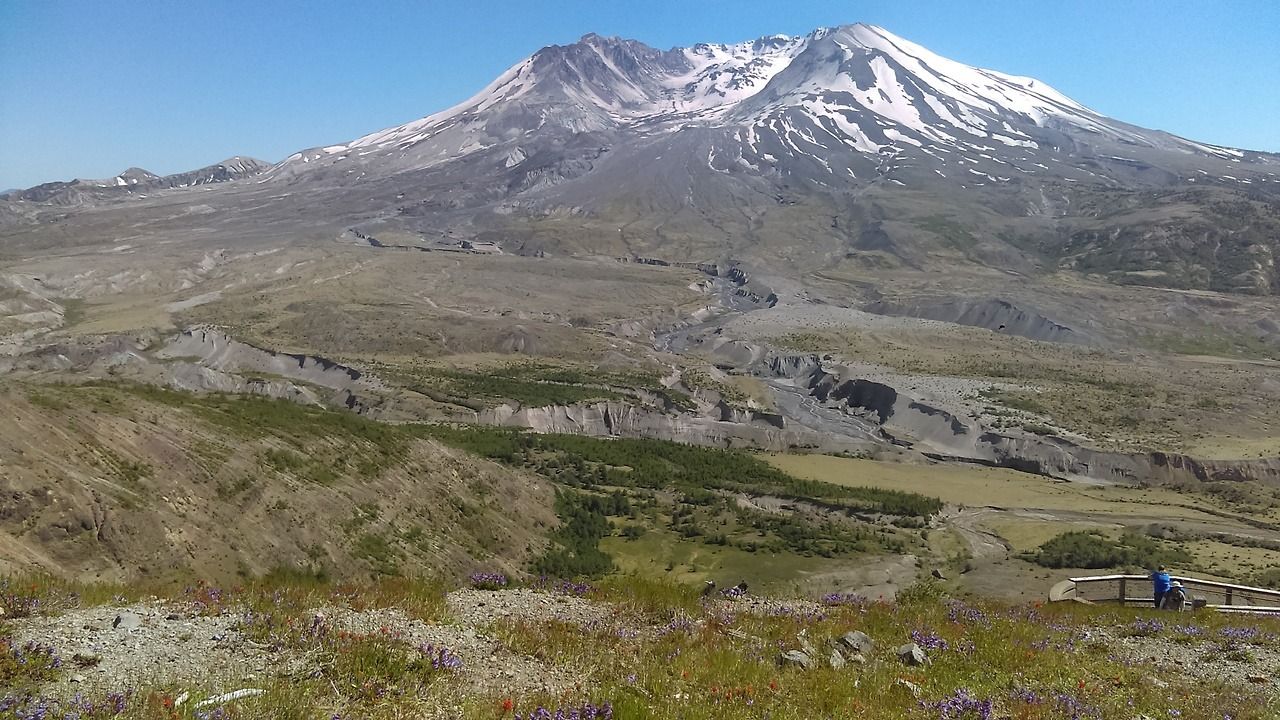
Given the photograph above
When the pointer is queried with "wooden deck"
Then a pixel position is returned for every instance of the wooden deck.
(1133, 589)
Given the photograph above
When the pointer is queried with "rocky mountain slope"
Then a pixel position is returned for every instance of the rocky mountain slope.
(846, 147)
(135, 182)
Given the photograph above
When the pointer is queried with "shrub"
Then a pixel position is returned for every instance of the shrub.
(1083, 549)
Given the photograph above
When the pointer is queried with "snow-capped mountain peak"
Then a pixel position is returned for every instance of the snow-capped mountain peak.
(858, 87)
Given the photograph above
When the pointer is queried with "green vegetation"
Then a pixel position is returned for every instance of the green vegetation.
(315, 445)
(1082, 549)
(668, 493)
(661, 653)
(535, 385)
(528, 392)
(1269, 578)
(584, 519)
(654, 464)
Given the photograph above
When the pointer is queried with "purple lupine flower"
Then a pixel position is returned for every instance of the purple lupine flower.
(488, 580)
(929, 640)
(441, 658)
(963, 703)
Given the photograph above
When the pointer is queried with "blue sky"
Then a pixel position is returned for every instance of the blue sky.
(88, 88)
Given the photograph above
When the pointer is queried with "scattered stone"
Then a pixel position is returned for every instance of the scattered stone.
(805, 646)
(77, 678)
(858, 659)
(86, 660)
(228, 697)
(837, 660)
(911, 687)
(796, 658)
(911, 654)
(857, 642)
(127, 621)
(938, 574)
(1153, 681)
(1258, 679)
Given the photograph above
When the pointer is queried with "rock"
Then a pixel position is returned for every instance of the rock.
(938, 574)
(1153, 681)
(77, 678)
(805, 646)
(911, 687)
(856, 641)
(911, 654)
(85, 660)
(858, 659)
(127, 621)
(796, 658)
(837, 660)
(228, 697)
(1258, 679)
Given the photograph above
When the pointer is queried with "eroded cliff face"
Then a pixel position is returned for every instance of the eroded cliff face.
(943, 432)
(831, 408)
(733, 428)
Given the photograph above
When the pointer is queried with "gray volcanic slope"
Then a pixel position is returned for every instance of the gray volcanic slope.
(849, 146)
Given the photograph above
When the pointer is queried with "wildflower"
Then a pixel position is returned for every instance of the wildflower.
(929, 640)
(488, 581)
(963, 703)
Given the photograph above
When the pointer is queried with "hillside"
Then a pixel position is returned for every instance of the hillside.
(119, 482)
(298, 648)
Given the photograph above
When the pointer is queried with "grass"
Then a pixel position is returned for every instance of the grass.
(664, 554)
(685, 501)
(996, 487)
(665, 654)
(1025, 534)
(664, 464)
(1084, 549)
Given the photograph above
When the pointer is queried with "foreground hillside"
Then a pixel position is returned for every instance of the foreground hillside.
(122, 482)
(289, 647)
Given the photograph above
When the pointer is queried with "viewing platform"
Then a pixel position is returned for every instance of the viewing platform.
(1136, 590)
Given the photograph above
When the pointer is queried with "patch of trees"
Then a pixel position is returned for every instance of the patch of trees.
(1083, 549)
(660, 464)
(575, 545)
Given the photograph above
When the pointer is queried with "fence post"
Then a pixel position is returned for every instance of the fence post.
(1228, 602)
(1123, 595)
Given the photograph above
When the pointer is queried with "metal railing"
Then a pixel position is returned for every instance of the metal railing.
(1227, 597)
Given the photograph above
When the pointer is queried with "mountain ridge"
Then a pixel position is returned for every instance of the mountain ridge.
(720, 149)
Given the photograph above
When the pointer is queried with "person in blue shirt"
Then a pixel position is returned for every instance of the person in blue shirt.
(1160, 583)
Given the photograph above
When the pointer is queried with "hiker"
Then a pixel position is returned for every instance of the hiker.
(1160, 583)
(1175, 598)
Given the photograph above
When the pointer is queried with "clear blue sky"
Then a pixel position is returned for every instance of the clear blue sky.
(90, 87)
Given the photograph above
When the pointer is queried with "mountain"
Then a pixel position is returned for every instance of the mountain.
(136, 181)
(849, 148)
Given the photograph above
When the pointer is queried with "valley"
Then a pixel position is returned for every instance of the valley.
(933, 316)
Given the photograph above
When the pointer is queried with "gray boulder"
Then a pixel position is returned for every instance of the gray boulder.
(796, 658)
(856, 641)
(911, 654)
(837, 660)
(127, 621)
(911, 687)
